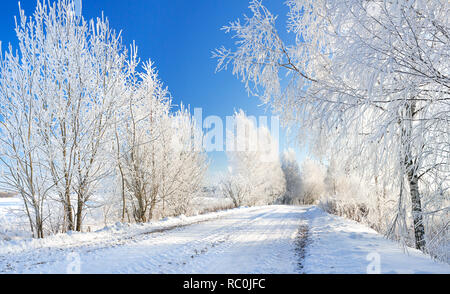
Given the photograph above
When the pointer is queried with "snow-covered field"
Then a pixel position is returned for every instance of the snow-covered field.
(12, 225)
(245, 240)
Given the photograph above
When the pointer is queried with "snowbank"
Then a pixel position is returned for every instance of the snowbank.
(343, 246)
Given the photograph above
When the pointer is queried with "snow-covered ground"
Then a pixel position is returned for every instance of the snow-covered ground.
(245, 240)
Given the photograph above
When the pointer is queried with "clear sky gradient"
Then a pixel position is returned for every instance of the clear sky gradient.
(178, 36)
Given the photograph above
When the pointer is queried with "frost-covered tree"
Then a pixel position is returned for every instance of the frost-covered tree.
(144, 115)
(184, 166)
(256, 176)
(369, 78)
(291, 171)
(74, 71)
(161, 165)
(65, 76)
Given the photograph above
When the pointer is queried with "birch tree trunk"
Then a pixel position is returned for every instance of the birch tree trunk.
(411, 167)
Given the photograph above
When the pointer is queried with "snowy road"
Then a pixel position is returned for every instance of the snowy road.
(260, 239)
(255, 241)
(248, 240)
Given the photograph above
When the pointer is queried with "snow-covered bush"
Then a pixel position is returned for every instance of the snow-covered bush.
(350, 194)
(236, 188)
(312, 181)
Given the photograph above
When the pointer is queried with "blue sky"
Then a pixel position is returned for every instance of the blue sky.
(178, 36)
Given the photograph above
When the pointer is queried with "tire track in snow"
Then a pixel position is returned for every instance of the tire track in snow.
(302, 241)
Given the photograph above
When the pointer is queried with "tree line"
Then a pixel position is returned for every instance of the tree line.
(77, 107)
